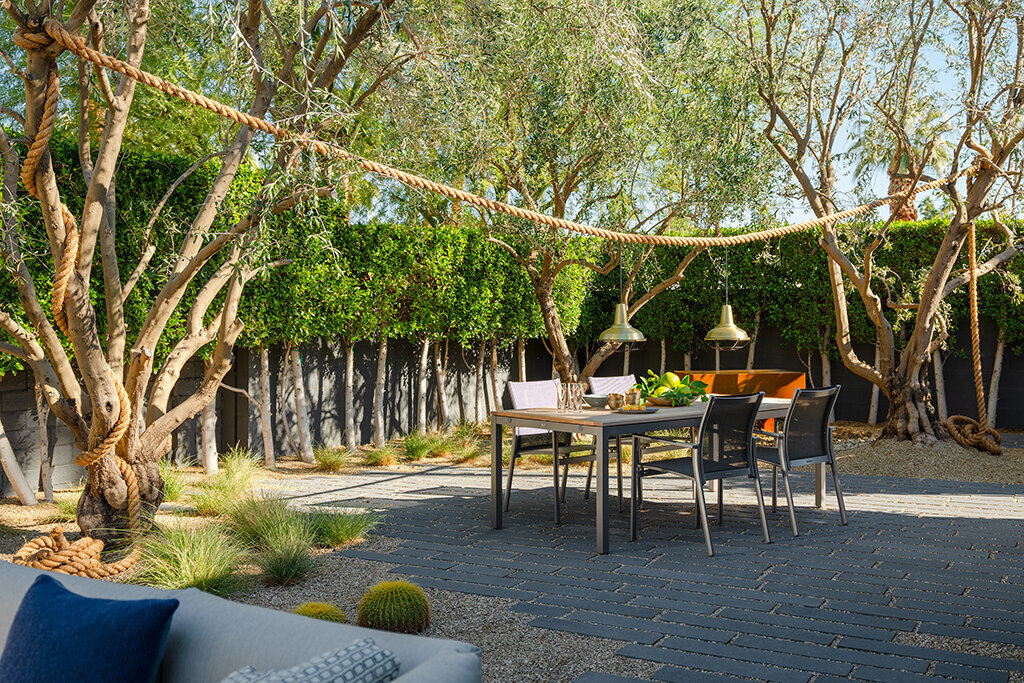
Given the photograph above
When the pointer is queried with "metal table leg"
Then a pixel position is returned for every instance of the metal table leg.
(496, 502)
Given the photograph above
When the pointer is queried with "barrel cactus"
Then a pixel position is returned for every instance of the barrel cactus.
(321, 610)
(395, 606)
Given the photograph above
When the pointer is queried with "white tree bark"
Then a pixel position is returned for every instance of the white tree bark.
(940, 385)
(350, 410)
(687, 362)
(26, 495)
(266, 429)
(662, 366)
(421, 388)
(45, 458)
(208, 429)
(495, 394)
(873, 408)
(378, 395)
(478, 388)
(301, 411)
(718, 360)
(625, 361)
(997, 373)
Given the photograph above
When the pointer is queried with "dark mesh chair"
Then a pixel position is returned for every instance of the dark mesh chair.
(723, 449)
(806, 439)
(544, 394)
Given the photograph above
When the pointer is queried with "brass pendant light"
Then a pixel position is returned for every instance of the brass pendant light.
(727, 336)
(621, 331)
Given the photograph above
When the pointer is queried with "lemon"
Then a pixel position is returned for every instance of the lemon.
(671, 379)
(660, 390)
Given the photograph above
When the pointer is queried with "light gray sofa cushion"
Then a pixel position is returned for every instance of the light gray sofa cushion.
(360, 662)
(211, 637)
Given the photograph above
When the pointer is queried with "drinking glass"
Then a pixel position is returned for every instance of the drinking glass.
(571, 397)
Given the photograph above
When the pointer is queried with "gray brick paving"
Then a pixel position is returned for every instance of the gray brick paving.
(943, 558)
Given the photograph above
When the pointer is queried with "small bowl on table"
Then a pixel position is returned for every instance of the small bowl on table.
(596, 400)
(658, 401)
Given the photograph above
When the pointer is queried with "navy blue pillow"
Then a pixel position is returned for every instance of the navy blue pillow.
(58, 635)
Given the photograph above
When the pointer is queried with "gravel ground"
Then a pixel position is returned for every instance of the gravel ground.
(512, 649)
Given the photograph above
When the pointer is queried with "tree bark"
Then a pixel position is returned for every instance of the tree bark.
(478, 388)
(440, 380)
(997, 373)
(873, 407)
(687, 362)
(521, 357)
(662, 366)
(751, 350)
(208, 424)
(379, 436)
(421, 387)
(826, 369)
(350, 409)
(266, 428)
(561, 356)
(45, 457)
(301, 410)
(25, 493)
(625, 361)
(495, 395)
(940, 384)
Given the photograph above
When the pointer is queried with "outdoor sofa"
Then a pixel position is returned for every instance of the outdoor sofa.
(211, 637)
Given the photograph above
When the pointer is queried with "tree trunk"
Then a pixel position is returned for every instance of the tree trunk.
(997, 373)
(718, 360)
(911, 413)
(561, 356)
(421, 388)
(440, 380)
(873, 407)
(208, 429)
(379, 436)
(826, 370)
(751, 350)
(478, 388)
(908, 211)
(662, 366)
(687, 362)
(625, 361)
(940, 384)
(25, 493)
(350, 409)
(301, 411)
(282, 403)
(521, 356)
(45, 457)
(266, 429)
(488, 403)
(495, 395)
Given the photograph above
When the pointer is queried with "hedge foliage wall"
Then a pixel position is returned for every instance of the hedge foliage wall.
(365, 281)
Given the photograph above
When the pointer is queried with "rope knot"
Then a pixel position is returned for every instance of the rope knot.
(32, 40)
(971, 433)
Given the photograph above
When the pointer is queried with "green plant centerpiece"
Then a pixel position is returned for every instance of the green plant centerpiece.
(399, 606)
(321, 610)
(670, 389)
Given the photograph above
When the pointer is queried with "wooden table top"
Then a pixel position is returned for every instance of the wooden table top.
(597, 417)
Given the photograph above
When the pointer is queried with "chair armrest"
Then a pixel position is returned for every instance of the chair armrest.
(674, 442)
(761, 432)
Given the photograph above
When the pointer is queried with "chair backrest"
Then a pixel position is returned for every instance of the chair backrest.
(726, 433)
(540, 394)
(619, 384)
(806, 431)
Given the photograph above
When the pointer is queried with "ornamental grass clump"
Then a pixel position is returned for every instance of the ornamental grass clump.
(219, 494)
(321, 610)
(331, 459)
(399, 606)
(333, 529)
(174, 483)
(253, 521)
(381, 457)
(415, 446)
(286, 558)
(205, 557)
(65, 509)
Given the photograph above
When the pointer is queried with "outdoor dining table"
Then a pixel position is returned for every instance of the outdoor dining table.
(603, 425)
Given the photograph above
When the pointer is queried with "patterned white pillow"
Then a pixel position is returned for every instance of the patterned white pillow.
(360, 662)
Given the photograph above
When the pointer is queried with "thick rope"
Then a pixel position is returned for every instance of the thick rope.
(56, 32)
(54, 552)
(967, 431)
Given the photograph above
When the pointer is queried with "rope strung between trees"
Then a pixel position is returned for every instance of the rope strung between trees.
(54, 552)
(82, 556)
(54, 31)
(967, 431)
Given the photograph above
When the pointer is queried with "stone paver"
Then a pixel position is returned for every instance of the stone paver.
(937, 557)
